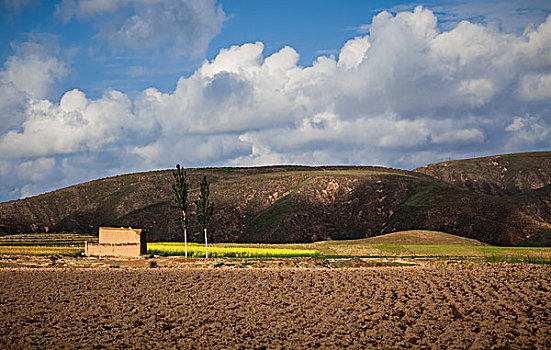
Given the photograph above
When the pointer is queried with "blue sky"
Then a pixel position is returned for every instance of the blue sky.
(311, 27)
(92, 88)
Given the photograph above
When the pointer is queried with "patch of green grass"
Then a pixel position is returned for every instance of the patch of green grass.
(40, 251)
(515, 250)
(42, 244)
(430, 195)
(517, 259)
(44, 240)
(363, 248)
(392, 249)
(47, 237)
(269, 218)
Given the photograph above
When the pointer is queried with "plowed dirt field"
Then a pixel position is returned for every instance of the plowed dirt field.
(459, 306)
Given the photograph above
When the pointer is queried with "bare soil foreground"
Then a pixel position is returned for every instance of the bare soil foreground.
(435, 306)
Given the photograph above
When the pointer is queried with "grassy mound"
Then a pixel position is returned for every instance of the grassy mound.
(423, 237)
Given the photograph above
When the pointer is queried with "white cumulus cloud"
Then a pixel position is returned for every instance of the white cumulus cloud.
(33, 68)
(403, 95)
(187, 25)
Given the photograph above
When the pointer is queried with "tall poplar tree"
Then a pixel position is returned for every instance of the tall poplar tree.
(180, 189)
(204, 210)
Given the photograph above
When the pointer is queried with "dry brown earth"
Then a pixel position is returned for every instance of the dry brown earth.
(457, 306)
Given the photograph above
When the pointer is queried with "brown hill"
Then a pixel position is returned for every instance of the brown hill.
(501, 175)
(289, 204)
(524, 177)
(411, 237)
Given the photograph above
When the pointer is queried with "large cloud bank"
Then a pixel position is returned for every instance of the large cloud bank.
(403, 95)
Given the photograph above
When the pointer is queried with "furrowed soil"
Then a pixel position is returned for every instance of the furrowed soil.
(457, 306)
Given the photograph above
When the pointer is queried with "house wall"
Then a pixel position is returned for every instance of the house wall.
(110, 249)
(125, 242)
(119, 235)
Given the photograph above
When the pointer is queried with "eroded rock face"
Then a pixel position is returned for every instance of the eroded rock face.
(499, 175)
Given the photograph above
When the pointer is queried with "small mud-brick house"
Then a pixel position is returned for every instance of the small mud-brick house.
(127, 242)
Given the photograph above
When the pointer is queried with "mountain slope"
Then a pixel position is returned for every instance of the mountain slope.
(288, 204)
(502, 175)
(523, 177)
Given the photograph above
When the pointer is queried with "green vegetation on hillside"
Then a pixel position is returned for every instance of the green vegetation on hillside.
(269, 219)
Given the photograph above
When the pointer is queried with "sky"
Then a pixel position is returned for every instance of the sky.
(94, 88)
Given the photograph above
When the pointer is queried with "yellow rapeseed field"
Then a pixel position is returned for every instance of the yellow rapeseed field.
(196, 250)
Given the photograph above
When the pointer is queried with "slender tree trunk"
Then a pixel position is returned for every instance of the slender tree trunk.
(206, 244)
(185, 230)
(185, 239)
